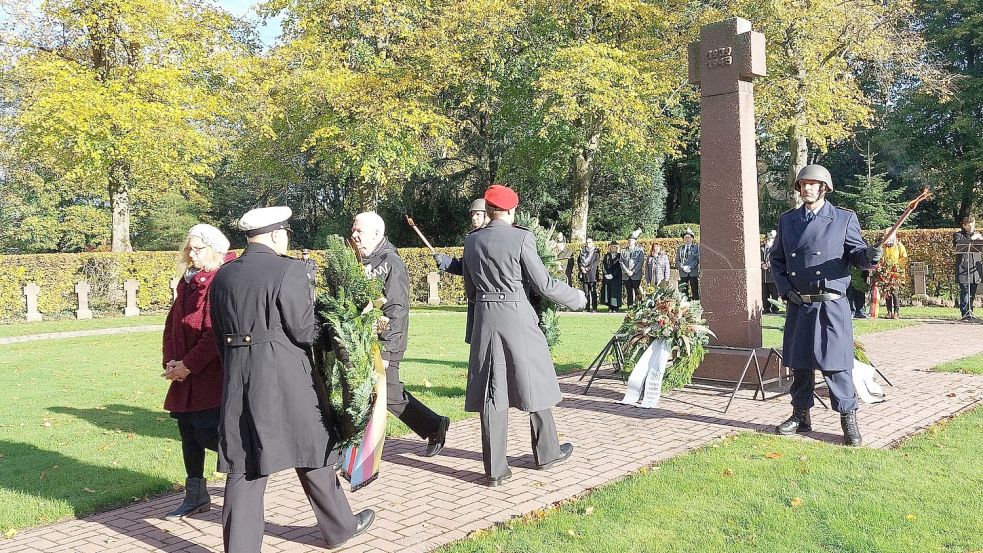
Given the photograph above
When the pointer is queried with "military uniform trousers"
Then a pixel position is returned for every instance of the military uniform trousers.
(494, 437)
(242, 516)
(842, 391)
(414, 414)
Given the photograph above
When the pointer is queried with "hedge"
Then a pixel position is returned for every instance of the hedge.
(57, 274)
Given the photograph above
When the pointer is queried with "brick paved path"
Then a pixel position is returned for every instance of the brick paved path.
(423, 503)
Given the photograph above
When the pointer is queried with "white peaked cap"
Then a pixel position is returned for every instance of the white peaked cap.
(265, 219)
(211, 236)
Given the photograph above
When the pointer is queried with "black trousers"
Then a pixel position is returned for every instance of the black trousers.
(769, 290)
(842, 392)
(407, 408)
(590, 290)
(243, 522)
(632, 287)
(690, 286)
(494, 437)
(199, 431)
(858, 301)
(892, 302)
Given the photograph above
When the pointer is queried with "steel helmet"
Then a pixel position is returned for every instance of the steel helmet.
(478, 205)
(816, 173)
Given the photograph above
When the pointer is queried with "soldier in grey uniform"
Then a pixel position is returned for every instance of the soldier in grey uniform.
(274, 412)
(810, 260)
(688, 262)
(510, 364)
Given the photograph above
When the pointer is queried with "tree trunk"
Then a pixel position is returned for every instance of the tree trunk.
(119, 202)
(583, 174)
(798, 149)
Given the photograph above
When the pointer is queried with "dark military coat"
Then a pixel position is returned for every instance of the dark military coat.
(273, 412)
(510, 361)
(811, 258)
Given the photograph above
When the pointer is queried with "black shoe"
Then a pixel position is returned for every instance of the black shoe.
(495, 482)
(800, 421)
(196, 499)
(436, 442)
(851, 432)
(566, 450)
(363, 519)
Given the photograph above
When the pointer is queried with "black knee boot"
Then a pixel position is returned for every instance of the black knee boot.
(196, 499)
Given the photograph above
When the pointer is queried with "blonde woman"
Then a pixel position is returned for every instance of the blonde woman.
(191, 363)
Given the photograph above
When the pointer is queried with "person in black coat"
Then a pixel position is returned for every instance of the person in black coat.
(969, 268)
(382, 261)
(275, 413)
(611, 288)
(588, 260)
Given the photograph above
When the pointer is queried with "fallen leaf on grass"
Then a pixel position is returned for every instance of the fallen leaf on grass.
(773, 455)
(588, 511)
(803, 458)
(796, 501)
(177, 486)
(728, 472)
(87, 490)
(427, 383)
(42, 476)
(10, 533)
(910, 517)
(572, 533)
(46, 424)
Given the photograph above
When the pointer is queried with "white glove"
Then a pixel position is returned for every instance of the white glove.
(607, 277)
(685, 268)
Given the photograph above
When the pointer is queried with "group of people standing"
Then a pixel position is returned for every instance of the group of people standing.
(627, 270)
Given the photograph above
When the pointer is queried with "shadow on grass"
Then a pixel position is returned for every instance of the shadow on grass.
(126, 418)
(37, 472)
(444, 362)
(441, 391)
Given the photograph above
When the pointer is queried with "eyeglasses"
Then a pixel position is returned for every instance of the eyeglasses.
(196, 249)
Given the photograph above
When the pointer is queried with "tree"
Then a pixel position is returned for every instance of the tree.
(819, 53)
(871, 196)
(115, 98)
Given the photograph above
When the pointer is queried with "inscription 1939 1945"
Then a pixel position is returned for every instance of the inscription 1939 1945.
(720, 56)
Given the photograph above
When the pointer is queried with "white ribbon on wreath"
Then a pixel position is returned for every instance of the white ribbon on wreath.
(645, 380)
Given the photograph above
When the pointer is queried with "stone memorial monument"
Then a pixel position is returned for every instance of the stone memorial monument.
(82, 290)
(433, 278)
(31, 292)
(131, 286)
(723, 63)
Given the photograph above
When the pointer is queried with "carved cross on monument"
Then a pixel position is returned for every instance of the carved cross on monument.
(723, 63)
(31, 292)
(82, 289)
(131, 286)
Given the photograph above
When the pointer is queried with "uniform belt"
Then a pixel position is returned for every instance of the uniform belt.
(499, 296)
(815, 298)
(247, 339)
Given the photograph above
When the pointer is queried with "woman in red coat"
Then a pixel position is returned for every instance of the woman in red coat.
(191, 360)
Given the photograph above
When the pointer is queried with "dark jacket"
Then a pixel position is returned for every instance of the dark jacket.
(969, 267)
(510, 362)
(274, 413)
(188, 337)
(385, 264)
(587, 263)
(811, 258)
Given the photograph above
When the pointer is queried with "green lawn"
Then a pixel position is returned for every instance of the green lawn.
(67, 325)
(967, 365)
(760, 493)
(81, 425)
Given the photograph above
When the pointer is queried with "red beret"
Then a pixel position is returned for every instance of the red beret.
(501, 197)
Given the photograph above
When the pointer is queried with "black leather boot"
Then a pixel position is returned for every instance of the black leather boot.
(196, 499)
(800, 421)
(851, 432)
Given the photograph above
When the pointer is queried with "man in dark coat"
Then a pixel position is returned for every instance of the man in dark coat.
(632, 265)
(382, 261)
(510, 364)
(274, 412)
(811, 259)
(969, 268)
(588, 261)
(768, 288)
(688, 263)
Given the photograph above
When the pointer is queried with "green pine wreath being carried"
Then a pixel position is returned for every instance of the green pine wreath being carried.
(347, 310)
(664, 315)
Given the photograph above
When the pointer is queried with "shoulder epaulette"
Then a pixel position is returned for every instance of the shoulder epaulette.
(844, 209)
(521, 228)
